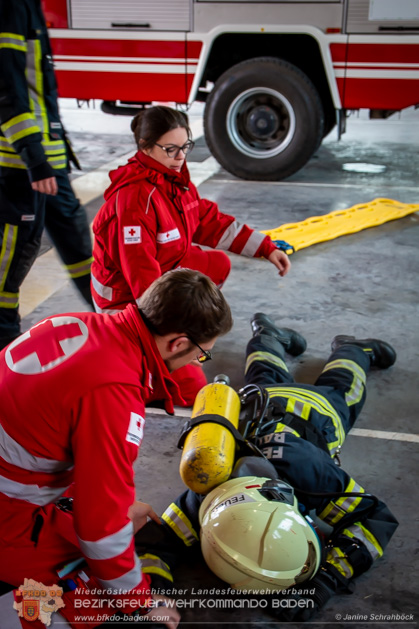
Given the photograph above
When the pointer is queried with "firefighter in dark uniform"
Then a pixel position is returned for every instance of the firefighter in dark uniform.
(34, 186)
(299, 428)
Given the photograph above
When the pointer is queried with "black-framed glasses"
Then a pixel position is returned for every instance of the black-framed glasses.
(205, 353)
(173, 150)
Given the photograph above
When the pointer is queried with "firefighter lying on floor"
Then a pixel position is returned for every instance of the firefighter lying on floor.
(299, 429)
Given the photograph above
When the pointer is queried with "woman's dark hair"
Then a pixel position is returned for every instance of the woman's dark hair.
(150, 124)
(187, 302)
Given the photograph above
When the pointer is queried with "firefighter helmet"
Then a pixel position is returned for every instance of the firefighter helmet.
(254, 537)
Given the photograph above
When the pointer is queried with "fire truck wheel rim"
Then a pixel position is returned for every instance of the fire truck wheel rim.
(261, 122)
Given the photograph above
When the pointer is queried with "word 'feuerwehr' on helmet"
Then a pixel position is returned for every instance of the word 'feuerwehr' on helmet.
(253, 536)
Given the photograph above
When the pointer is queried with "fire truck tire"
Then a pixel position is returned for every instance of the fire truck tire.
(263, 119)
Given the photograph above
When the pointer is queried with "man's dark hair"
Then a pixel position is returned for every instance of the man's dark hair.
(150, 124)
(187, 302)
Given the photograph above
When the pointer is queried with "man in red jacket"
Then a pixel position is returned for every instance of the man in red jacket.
(74, 389)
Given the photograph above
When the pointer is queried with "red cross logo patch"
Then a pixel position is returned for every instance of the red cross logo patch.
(46, 345)
(132, 234)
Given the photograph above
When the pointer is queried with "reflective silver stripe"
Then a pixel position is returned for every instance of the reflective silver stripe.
(151, 564)
(9, 300)
(367, 538)
(265, 357)
(340, 563)
(181, 525)
(299, 408)
(127, 581)
(11, 161)
(8, 615)
(12, 452)
(354, 395)
(104, 291)
(33, 70)
(229, 235)
(12, 40)
(79, 269)
(5, 146)
(22, 127)
(7, 252)
(58, 163)
(34, 494)
(319, 403)
(109, 546)
(149, 200)
(360, 377)
(335, 511)
(104, 310)
(252, 245)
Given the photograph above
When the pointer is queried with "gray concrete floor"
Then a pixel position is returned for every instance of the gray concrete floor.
(363, 284)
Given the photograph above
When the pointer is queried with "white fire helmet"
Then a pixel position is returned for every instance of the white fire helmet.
(253, 536)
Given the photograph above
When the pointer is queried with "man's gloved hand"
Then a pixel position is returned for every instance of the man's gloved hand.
(302, 607)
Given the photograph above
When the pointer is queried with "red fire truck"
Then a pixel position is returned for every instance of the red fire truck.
(276, 76)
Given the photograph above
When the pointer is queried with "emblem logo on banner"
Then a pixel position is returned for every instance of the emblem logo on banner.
(30, 610)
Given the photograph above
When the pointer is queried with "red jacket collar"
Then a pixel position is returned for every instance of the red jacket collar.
(156, 379)
(152, 167)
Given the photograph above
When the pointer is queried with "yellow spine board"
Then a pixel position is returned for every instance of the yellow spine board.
(320, 228)
(209, 449)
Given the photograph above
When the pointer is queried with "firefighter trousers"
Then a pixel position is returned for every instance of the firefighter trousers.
(339, 392)
(23, 215)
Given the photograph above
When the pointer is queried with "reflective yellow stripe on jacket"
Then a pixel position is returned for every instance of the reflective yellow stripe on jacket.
(335, 510)
(7, 299)
(180, 524)
(79, 269)
(301, 401)
(151, 564)
(35, 121)
(14, 41)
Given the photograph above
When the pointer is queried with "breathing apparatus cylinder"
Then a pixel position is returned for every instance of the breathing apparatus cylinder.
(209, 448)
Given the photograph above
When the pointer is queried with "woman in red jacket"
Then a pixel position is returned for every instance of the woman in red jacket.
(151, 216)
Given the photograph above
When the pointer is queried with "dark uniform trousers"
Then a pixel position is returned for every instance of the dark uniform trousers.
(332, 404)
(23, 215)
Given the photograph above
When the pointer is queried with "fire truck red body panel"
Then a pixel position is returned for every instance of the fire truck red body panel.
(124, 69)
(377, 75)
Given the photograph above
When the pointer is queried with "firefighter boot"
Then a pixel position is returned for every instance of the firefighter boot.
(292, 341)
(380, 353)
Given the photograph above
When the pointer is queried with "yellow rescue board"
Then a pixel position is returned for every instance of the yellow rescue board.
(354, 219)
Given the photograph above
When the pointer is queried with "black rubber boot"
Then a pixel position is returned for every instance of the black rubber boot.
(292, 341)
(381, 354)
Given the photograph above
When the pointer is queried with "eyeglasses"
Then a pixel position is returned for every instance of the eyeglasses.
(205, 353)
(173, 150)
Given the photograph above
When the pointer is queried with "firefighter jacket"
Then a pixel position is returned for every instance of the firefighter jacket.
(86, 379)
(31, 134)
(150, 219)
(355, 542)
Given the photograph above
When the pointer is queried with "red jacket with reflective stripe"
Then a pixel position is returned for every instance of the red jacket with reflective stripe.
(73, 392)
(150, 219)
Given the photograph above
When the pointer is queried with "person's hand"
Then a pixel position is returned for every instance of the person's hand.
(139, 512)
(46, 186)
(164, 608)
(282, 262)
(300, 607)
